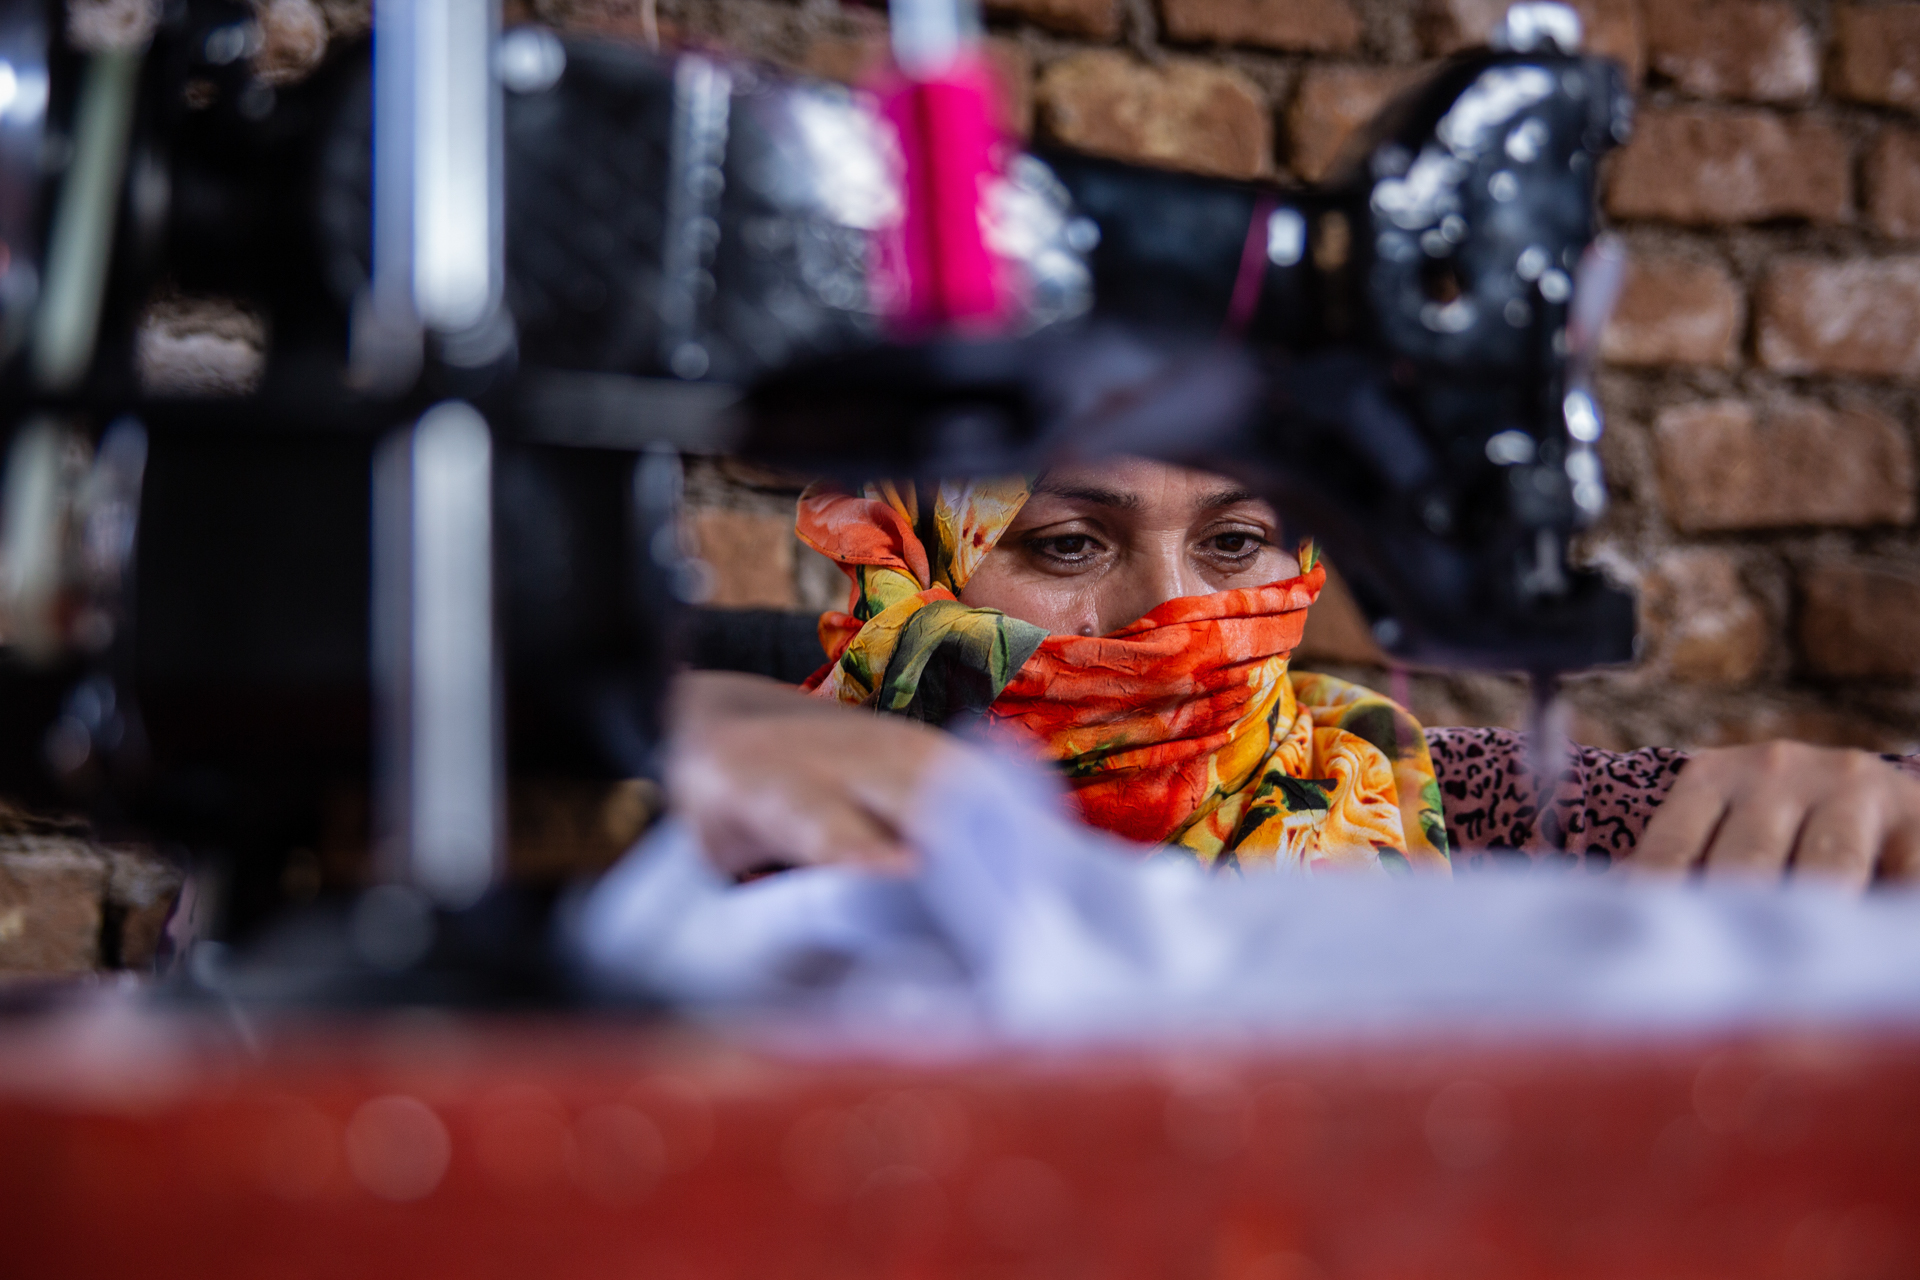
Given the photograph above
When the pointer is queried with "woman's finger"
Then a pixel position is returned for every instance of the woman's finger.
(766, 792)
(795, 826)
(1900, 849)
(1740, 810)
(891, 780)
(1841, 839)
(827, 826)
(1677, 837)
(1757, 837)
(1900, 853)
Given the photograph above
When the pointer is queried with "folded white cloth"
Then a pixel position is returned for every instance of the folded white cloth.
(1023, 924)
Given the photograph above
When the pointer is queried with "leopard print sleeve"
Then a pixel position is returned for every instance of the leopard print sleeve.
(1909, 765)
(1598, 810)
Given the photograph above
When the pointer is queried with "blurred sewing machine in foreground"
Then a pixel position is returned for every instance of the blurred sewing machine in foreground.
(506, 278)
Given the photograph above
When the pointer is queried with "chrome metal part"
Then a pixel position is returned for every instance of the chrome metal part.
(1528, 27)
(435, 657)
(23, 119)
(80, 240)
(702, 104)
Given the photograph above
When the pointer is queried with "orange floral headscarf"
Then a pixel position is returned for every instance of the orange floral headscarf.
(1183, 729)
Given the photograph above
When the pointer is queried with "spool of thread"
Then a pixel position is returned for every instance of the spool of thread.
(941, 102)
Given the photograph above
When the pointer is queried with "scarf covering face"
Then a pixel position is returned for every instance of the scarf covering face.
(1183, 729)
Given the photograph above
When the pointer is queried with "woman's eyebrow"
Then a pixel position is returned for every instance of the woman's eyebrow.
(1092, 494)
(1227, 498)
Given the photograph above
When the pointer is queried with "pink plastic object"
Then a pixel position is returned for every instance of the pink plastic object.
(944, 275)
(1253, 268)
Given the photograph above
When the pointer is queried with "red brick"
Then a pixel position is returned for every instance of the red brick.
(1013, 66)
(1893, 184)
(51, 891)
(1674, 311)
(142, 888)
(1857, 316)
(1099, 19)
(751, 555)
(1317, 26)
(1700, 622)
(199, 346)
(1758, 50)
(1336, 629)
(1329, 105)
(1755, 721)
(1612, 27)
(293, 41)
(1594, 728)
(855, 60)
(1724, 466)
(1860, 620)
(1876, 54)
(349, 18)
(619, 19)
(1183, 113)
(851, 60)
(1704, 165)
(103, 26)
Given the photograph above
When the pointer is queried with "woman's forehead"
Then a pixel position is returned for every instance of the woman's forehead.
(1132, 484)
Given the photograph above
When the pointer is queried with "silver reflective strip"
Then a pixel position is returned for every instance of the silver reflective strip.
(31, 531)
(80, 241)
(1286, 237)
(385, 353)
(928, 36)
(456, 168)
(702, 98)
(438, 228)
(435, 656)
(393, 155)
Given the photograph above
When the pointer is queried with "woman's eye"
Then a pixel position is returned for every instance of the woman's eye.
(1235, 545)
(1066, 546)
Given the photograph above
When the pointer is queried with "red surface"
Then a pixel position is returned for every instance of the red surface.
(147, 1148)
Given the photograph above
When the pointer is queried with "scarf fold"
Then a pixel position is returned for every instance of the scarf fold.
(1183, 729)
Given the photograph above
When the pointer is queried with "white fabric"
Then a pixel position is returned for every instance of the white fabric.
(1023, 924)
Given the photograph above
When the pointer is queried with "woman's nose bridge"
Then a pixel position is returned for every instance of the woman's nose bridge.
(1156, 569)
(1169, 574)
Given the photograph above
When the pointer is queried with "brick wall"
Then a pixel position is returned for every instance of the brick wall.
(1761, 374)
(70, 905)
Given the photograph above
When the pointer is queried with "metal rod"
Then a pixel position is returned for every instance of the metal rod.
(439, 243)
(80, 242)
(456, 163)
(435, 655)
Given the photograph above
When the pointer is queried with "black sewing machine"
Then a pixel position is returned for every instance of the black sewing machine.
(506, 277)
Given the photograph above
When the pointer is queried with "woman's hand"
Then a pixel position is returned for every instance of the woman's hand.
(771, 778)
(1786, 808)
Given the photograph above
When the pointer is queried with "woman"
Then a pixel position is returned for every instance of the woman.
(1131, 621)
